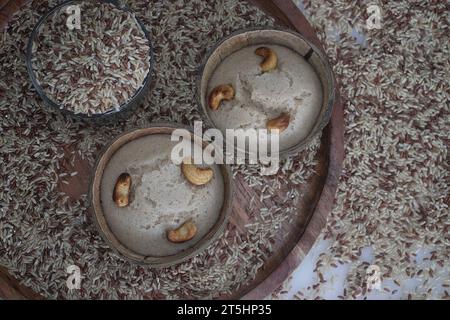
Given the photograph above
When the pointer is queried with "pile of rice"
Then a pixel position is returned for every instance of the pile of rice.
(393, 193)
(43, 231)
(96, 68)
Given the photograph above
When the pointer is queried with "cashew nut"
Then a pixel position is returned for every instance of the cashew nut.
(270, 58)
(280, 123)
(220, 93)
(195, 175)
(184, 233)
(121, 194)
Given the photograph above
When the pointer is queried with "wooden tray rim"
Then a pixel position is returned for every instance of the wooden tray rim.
(288, 14)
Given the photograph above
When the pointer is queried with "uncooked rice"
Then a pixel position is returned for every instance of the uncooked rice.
(97, 68)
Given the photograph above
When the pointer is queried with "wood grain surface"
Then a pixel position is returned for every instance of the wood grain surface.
(313, 209)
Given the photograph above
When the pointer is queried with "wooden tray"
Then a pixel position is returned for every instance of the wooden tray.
(318, 196)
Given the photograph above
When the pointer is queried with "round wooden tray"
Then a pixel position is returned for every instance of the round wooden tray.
(315, 205)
